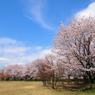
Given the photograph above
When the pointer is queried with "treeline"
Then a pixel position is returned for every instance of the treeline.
(73, 55)
(47, 70)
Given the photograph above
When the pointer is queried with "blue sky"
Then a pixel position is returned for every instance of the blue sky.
(27, 27)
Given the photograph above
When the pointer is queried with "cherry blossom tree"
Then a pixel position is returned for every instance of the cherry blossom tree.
(50, 59)
(76, 41)
(14, 70)
(30, 70)
(43, 71)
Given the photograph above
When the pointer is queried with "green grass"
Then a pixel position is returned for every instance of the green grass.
(35, 88)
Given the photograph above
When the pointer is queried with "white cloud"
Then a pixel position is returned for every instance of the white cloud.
(89, 11)
(7, 40)
(39, 48)
(16, 52)
(45, 52)
(3, 59)
(36, 10)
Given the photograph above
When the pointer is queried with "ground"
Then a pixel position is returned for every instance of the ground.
(35, 88)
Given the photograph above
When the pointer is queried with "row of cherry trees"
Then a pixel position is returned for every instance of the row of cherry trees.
(74, 49)
(47, 69)
(73, 54)
(20, 72)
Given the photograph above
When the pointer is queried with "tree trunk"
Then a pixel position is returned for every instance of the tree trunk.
(62, 83)
(53, 80)
(85, 79)
(68, 79)
(90, 79)
(44, 83)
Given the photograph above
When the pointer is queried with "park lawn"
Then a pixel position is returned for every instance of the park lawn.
(35, 88)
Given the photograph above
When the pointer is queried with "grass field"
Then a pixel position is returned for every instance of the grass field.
(35, 88)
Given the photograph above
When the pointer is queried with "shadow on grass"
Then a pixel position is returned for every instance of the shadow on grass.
(71, 87)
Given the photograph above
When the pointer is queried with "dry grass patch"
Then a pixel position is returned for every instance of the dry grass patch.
(35, 88)
(29, 87)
